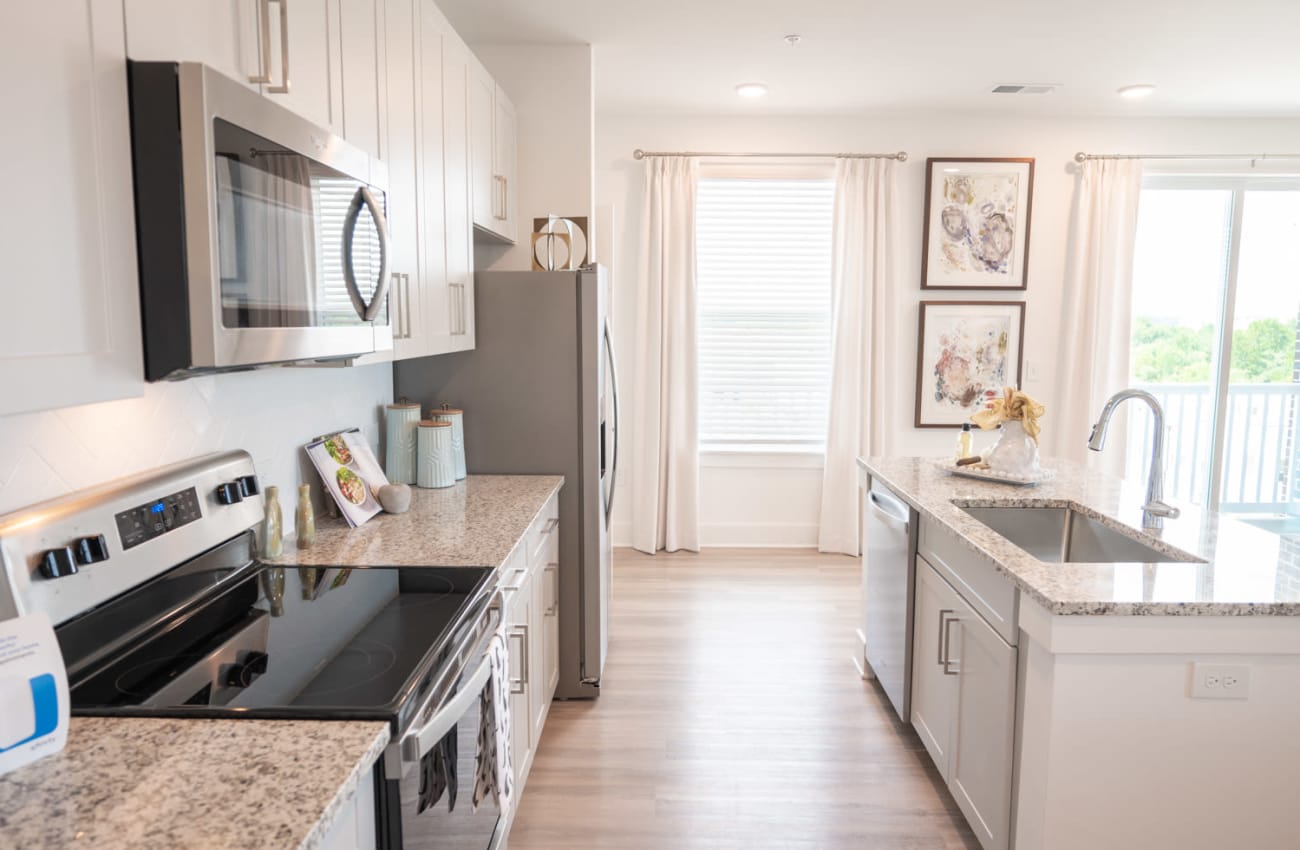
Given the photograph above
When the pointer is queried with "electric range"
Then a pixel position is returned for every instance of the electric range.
(161, 608)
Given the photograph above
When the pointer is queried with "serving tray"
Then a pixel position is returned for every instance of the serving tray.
(994, 475)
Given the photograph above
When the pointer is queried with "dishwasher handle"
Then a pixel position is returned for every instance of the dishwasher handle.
(881, 505)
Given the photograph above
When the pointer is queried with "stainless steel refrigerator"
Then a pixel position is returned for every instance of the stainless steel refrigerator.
(540, 395)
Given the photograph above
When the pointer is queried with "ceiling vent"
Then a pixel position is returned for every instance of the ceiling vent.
(1029, 88)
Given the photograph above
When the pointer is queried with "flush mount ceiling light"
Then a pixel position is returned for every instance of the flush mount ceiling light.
(1136, 91)
(751, 90)
(793, 39)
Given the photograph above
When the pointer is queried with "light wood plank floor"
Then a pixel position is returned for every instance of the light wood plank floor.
(731, 718)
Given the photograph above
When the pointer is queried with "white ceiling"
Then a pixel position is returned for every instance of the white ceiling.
(1208, 57)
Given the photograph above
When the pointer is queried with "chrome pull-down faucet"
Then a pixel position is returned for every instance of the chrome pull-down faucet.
(1155, 510)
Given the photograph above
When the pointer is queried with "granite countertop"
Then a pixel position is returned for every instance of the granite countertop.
(143, 783)
(1241, 570)
(476, 523)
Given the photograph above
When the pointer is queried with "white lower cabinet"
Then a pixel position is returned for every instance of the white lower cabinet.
(354, 825)
(530, 580)
(964, 704)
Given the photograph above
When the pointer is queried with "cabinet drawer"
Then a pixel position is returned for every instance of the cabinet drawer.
(543, 529)
(513, 574)
(992, 595)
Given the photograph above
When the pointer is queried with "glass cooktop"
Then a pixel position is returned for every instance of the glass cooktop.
(259, 640)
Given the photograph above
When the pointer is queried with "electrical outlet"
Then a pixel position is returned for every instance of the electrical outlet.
(1220, 681)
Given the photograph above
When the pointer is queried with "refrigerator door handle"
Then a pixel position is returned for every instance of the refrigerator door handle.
(613, 380)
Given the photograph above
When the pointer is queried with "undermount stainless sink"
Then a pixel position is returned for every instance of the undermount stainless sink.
(1065, 535)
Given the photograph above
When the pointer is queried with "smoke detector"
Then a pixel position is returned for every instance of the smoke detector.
(1026, 88)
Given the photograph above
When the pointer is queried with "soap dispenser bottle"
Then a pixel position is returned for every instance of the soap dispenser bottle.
(964, 438)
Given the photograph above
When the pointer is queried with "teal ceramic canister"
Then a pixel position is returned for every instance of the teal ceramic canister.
(434, 466)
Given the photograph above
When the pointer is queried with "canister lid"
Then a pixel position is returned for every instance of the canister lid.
(403, 407)
(433, 423)
(446, 410)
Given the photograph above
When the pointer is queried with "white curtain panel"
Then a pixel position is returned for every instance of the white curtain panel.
(864, 351)
(1096, 310)
(665, 435)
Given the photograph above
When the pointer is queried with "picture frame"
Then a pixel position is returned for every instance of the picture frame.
(967, 351)
(977, 223)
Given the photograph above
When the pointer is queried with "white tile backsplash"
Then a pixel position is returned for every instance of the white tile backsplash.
(271, 413)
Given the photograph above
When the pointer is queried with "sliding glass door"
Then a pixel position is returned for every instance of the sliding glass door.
(1216, 305)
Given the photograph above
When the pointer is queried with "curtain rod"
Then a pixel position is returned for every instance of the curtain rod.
(901, 156)
(1084, 157)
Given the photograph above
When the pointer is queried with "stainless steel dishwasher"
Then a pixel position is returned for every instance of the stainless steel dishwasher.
(888, 582)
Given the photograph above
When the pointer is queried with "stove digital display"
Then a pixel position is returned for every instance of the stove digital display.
(155, 518)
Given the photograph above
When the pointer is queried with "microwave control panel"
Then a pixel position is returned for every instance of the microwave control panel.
(154, 519)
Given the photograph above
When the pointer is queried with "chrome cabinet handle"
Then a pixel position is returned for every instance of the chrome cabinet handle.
(554, 570)
(947, 634)
(457, 291)
(551, 525)
(505, 198)
(518, 685)
(283, 88)
(264, 28)
(395, 305)
(520, 585)
(499, 196)
(406, 305)
(938, 644)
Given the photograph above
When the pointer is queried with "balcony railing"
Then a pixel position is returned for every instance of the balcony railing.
(1262, 469)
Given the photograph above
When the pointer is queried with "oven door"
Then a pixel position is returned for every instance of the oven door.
(450, 822)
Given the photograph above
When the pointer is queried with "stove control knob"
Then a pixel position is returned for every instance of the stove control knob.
(92, 550)
(243, 675)
(230, 493)
(248, 485)
(57, 563)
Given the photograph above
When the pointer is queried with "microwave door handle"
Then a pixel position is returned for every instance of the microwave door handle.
(418, 742)
(367, 311)
(608, 341)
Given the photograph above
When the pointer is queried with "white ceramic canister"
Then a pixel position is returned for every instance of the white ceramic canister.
(457, 420)
(434, 466)
(399, 442)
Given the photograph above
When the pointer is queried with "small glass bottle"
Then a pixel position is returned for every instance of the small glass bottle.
(305, 519)
(964, 442)
(272, 525)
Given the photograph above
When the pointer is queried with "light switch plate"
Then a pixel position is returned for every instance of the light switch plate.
(1220, 681)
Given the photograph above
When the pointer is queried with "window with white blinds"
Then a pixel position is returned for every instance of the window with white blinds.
(763, 278)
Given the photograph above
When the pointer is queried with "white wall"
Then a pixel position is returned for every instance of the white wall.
(551, 88)
(271, 413)
(782, 508)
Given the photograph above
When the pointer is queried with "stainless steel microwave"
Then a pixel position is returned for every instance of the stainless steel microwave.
(261, 237)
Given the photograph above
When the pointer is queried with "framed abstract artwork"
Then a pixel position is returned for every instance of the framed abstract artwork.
(967, 352)
(976, 223)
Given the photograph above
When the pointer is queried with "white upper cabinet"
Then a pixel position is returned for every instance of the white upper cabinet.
(224, 35)
(504, 155)
(70, 327)
(405, 297)
(362, 45)
(492, 154)
(456, 81)
(302, 40)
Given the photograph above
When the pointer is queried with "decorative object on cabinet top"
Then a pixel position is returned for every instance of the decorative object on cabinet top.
(559, 244)
(976, 223)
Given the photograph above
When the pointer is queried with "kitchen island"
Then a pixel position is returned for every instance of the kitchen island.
(1057, 697)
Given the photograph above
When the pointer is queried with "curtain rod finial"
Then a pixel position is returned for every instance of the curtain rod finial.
(638, 154)
(1080, 157)
(901, 156)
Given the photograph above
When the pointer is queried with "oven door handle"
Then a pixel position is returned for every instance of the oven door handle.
(418, 742)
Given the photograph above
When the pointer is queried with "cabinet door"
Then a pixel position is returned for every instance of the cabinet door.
(538, 696)
(483, 186)
(980, 772)
(933, 689)
(519, 636)
(457, 205)
(70, 327)
(304, 68)
(360, 46)
(550, 579)
(504, 143)
(224, 35)
(433, 232)
(405, 296)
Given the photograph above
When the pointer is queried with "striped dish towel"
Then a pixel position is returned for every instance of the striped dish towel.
(494, 774)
